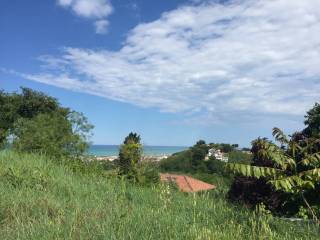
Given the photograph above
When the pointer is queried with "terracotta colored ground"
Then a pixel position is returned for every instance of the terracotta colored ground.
(186, 183)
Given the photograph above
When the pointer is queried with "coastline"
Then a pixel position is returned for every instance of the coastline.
(149, 158)
(155, 153)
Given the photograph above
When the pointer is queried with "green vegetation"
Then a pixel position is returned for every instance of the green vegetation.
(50, 190)
(45, 199)
(130, 154)
(289, 172)
(293, 168)
(224, 147)
(193, 160)
(130, 162)
(237, 156)
(36, 122)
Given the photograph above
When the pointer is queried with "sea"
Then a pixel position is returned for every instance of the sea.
(113, 150)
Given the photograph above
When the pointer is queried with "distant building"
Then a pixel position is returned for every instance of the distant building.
(217, 154)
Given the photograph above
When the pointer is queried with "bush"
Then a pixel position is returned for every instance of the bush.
(251, 192)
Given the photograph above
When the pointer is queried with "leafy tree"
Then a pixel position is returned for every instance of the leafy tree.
(290, 167)
(313, 121)
(51, 134)
(27, 104)
(38, 123)
(80, 125)
(198, 154)
(130, 154)
(200, 143)
(224, 147)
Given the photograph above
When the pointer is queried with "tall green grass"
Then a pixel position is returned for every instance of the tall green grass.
(44, 199)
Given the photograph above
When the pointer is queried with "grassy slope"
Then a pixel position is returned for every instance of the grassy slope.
(43, 200)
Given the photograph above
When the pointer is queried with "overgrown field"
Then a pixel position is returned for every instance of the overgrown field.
(43, 199)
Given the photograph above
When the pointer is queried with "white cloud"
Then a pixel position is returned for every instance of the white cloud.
(93, 9)
(101, 26)
(244, 57)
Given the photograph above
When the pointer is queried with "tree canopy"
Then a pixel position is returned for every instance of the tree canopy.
(130, 154)
(37, 122)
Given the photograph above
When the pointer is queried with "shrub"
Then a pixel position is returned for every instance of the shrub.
(290, 169)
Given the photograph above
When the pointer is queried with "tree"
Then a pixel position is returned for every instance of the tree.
(27, 104)
(130, 154)
(51, 134)
(38, 123)
(132, 138)
(198, 154)
(200, 143)
(312, 120)
(290, 167)
(224, 147)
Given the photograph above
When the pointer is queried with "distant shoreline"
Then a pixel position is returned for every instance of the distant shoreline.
(110, 151)
(151, 158)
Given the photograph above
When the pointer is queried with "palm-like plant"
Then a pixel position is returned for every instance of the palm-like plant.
(295, 166)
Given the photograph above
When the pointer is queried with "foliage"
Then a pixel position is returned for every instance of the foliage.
(44, 199)
(237, 156)
(178, 162)
(130, 154)
(193, 160)
(224, 147)
(132, 138)
(145, 173)
(216, 166)
(131, 165)
(27, 105)
(38, 123)
(198, 154)
(294, 170)
(252, 192)
(312, 120)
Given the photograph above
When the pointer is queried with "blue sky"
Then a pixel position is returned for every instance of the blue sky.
(174, 71)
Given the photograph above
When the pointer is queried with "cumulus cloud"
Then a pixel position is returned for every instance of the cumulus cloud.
(92, 9)
(239, 58)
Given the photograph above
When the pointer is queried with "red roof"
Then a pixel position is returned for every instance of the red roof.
(186, 183)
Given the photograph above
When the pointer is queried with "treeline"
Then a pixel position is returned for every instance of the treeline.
(193, 160)
(282, 176)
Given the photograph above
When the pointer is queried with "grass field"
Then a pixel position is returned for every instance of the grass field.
(42, 199)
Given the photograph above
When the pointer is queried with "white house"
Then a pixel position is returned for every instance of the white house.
(217, 154)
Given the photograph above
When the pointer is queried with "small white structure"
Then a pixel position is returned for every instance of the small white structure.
(217, 154)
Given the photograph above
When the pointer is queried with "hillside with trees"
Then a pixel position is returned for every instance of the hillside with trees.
(51, 189)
